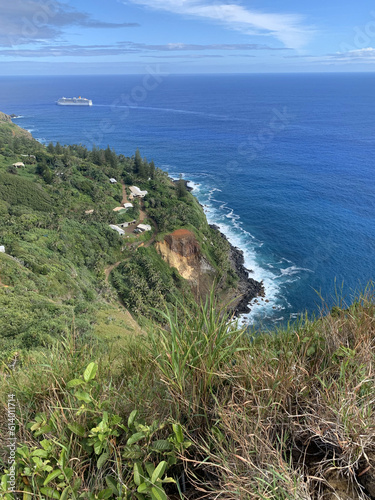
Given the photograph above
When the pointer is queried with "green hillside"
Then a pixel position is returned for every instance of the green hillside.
(60, 251)
(119, 382)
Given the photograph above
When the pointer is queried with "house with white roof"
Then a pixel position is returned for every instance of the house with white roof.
(112, 180)
(144, 227)
(128, 205)
(136, 192)
(118, 229)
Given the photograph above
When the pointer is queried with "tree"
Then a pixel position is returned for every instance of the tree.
(59, 149)
(181, 188)
(152, 169)
(138, 163)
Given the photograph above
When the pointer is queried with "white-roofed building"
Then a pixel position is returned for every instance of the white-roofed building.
(118, 229)
(128, 205)
(18, 164)
(144, 227)
(136, 192)
(112, 180)
(2, 249)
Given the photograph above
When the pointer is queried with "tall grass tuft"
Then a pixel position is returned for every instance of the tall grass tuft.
(192, 349)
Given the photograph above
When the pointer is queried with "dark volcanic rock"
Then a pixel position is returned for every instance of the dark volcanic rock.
(248, 288)
(185, 182)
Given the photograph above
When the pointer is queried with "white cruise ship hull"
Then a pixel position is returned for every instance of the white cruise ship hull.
(65, 101)
(75, 103)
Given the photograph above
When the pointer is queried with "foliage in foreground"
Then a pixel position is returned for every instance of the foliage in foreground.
(288, 415)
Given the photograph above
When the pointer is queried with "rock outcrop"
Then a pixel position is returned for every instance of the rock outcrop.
(13, 130)
(5, 118)
(181, 250)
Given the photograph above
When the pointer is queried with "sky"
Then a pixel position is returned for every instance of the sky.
(185, 36)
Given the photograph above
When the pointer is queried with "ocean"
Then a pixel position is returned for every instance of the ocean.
(283, 164)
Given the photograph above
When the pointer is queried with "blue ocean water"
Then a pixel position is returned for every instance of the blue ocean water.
(284, 164)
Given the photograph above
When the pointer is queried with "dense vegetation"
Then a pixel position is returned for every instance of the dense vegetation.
(198, 409)
(57, 255)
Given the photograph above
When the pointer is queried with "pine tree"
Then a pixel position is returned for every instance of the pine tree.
(138, 163)
(181, 187)
(152, 169)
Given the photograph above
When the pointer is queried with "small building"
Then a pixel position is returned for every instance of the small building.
(136, 192)
(112, 180)
(123, 224)
(118, 229)
(128, 205)
(2, 249)
(18, 164)
(144, 227)
(87, 212)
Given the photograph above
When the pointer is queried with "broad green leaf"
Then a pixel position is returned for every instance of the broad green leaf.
(90, 372)
(177, 429)
(51, 477)
(105, 494)
(83, 396)
(150, 468)
(143, 487)
(65, 493)
(68, 473)
(75, 382)
(132, 417)
(50, 492)
(132, 452)
(135, 438)
(159, 471)
(158, 494)
(4, 482)
(40, 453)
(102, 460)
(111, 482)
(98, 447)
(62, 459)
(77, 429)
(161, 445)
(138, 474)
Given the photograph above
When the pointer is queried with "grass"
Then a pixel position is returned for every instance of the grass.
(287, 415)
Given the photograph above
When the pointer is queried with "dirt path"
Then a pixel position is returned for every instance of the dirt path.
(124, 196)
(109, 269)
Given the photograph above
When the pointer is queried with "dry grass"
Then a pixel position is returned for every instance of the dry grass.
(282, 416)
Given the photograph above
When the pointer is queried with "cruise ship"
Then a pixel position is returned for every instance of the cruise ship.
(74, 101)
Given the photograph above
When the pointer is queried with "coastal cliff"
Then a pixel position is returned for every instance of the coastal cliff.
(10, 129)
(5, 118)
(181, 250)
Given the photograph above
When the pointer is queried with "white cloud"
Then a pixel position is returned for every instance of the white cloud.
(288, 28)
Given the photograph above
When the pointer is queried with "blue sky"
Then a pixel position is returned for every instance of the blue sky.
(185, 36)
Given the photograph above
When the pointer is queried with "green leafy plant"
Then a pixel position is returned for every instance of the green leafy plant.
(72, 441)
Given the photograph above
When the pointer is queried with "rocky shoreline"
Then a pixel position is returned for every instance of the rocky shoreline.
(247, 288)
